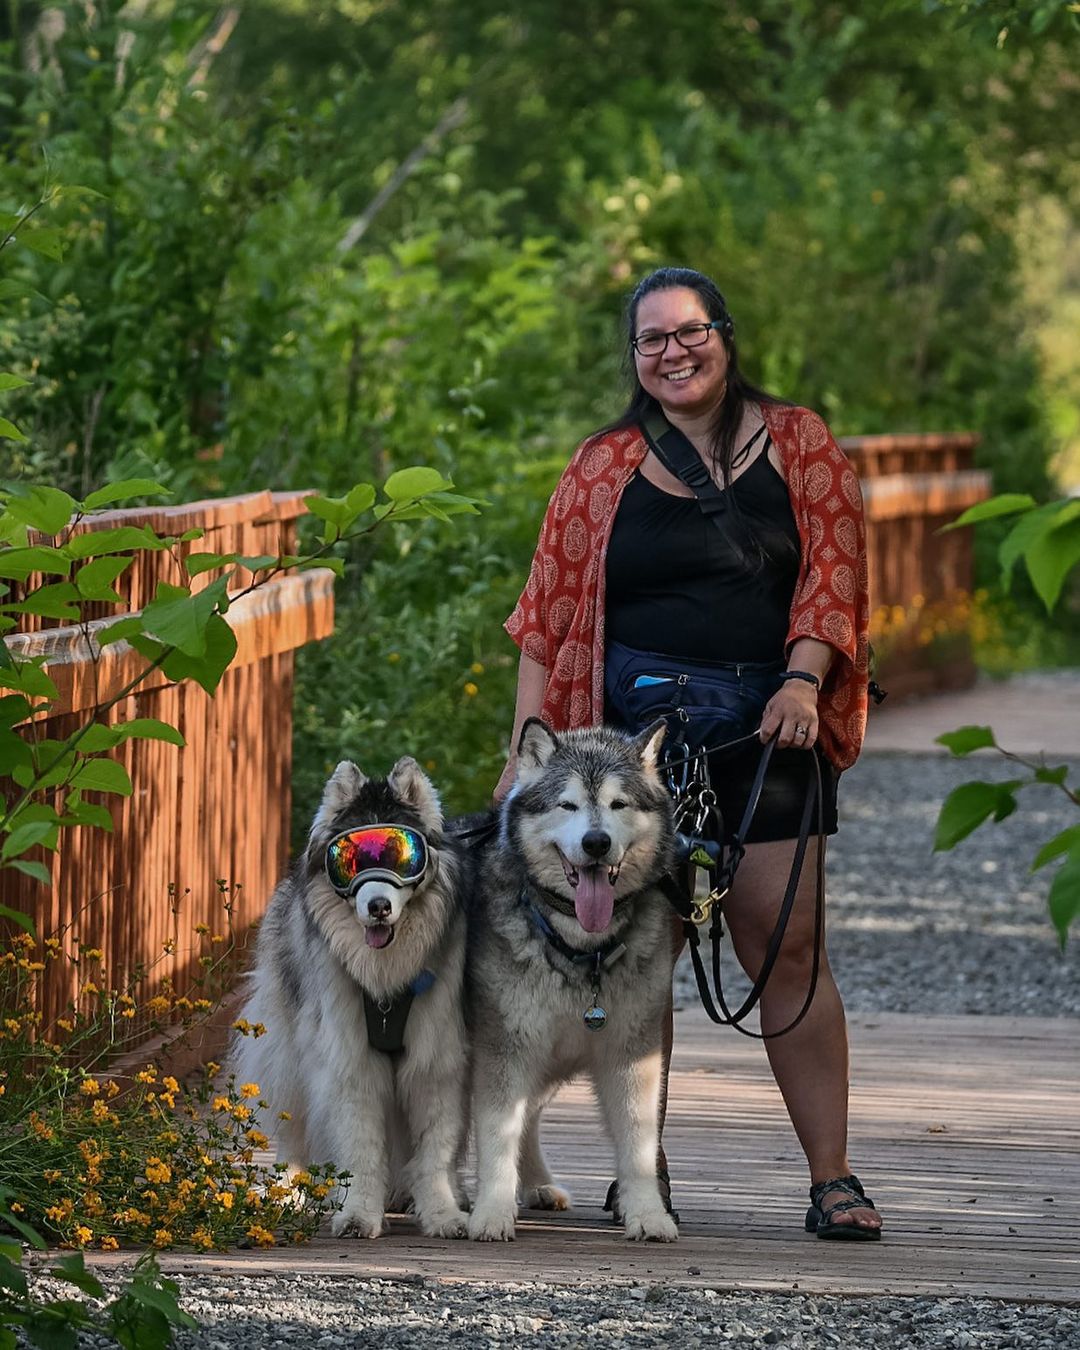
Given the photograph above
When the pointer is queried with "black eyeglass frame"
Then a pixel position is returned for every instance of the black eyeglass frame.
(719, 324)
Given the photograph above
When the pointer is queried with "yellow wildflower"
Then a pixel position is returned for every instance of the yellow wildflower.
(100, 1111)
(240, 1112)
(202, 1238)
(477, 668)
(89, 1087)
(162, 1238)
(202, 929)
(81, 1236)
(147, 1075)
(212, 1068)
(284, 1115)
(112, 1087)
(157, 1171)
(471, 690)
(158, 1004)
(242, 1025)
(224, 1199)
(64, 1024)
(52, 1174)
(220, 1103)
(257, 1139)
(109, 1244)
(170, 1084)
(92, 953)
(262, 1237)
(249, 1090)
(258, 1030)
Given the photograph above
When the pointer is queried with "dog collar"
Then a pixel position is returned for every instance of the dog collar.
(387, 1017)
(594, 1017)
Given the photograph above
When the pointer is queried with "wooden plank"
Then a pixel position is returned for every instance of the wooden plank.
(966, 1209)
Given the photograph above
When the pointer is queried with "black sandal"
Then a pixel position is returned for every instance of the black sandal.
(663, 1179)
(819, 1218)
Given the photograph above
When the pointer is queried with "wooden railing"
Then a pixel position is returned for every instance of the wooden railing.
(921, 581)
(216, 810)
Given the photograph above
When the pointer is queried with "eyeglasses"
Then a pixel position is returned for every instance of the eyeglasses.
(392, 853)
(689, 335)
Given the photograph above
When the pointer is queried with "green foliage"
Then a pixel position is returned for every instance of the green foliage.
(1047, 539)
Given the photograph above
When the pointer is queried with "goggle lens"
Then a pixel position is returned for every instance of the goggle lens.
(394, 850)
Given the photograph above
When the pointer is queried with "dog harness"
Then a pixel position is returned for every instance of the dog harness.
(387, 1017)
(594, 1017)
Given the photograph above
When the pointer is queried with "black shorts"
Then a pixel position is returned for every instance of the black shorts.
(779, 810)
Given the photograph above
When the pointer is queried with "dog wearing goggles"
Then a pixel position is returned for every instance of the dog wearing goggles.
(358, 981)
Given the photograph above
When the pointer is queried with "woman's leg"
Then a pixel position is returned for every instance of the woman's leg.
(810, 1063)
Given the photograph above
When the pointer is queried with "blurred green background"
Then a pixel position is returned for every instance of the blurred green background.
(327, 240)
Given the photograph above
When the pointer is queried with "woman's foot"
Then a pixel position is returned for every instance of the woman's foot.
(841, 1209)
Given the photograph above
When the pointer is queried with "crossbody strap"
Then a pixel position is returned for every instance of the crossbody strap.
(678, 456)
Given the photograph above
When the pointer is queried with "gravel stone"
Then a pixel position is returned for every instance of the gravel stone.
(915, 931)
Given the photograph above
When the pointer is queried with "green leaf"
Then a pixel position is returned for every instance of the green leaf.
(95, 579)
(73, 1270)
(1061, 843)
(98, 737)
(42, 508)
(1004, 504)
(102, 775)
(14, 752)
(1055, 776)
(1052, 556)
(966, 739)
(25, 837)
(21, 920)
(259, 562)
(179, 619)
(57, 600)
(419, 481)
(360, 498)
(14, 709)
(147, 729)
(11, 1277)
(127, 487)
(1023, 534)
(46, 240)
(10, 430)
(10, 381)
(208, 669)
(18, 563)
(335, 565)
(90, 813)
(1064, 897)
(162, 1299)
(28, 678)
(37, 870)
(966, 807)
(205, 562)
(130, 626)
(121, 539)
(331, 509)
(18, 290)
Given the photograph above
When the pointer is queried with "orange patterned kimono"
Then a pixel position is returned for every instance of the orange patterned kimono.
(559, 618)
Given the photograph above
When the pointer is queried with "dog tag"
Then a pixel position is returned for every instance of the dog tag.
(595, 1018)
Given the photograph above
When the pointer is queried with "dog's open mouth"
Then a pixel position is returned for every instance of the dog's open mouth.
(594, 892)
(379, 934)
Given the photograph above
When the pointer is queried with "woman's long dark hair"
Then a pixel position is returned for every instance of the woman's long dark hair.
(755, 550)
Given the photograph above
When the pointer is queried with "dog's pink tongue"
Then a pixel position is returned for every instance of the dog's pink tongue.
(378, 935)
(594, 899)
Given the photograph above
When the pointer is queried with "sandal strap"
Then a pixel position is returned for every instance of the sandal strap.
(850, 1186)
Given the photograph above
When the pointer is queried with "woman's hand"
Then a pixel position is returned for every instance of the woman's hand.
(793, 712)
(506, 781)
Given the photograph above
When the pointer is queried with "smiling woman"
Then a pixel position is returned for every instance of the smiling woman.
(755, 576)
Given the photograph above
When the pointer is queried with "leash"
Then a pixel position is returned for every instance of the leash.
(721, 865)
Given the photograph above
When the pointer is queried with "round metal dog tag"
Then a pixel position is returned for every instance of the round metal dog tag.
(595, 1018)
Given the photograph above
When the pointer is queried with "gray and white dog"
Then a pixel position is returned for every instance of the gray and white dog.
(358, 981)
(570, 968)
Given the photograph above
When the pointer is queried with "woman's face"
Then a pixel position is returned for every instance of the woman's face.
(687, 381)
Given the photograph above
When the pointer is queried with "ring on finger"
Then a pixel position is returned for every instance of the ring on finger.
(802, 732)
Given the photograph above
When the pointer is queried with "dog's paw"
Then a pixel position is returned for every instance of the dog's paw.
(447, 1223)
(356, 1222)
(491, 1225)
(546, 1197)
(651, 1226)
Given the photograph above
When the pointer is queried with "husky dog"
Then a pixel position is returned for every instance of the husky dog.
(358, 981)
(570, 968)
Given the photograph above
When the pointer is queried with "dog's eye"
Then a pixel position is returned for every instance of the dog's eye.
(568, 806)
(618, 804)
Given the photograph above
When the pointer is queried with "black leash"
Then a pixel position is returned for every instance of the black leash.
(721, 864)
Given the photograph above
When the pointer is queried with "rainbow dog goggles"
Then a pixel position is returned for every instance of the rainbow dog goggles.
(394, 853)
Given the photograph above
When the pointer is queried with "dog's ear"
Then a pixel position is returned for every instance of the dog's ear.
(536, 745)
(342, 787)
(409, 782)
(649, 741)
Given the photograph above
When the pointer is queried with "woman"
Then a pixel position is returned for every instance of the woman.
(625, 554)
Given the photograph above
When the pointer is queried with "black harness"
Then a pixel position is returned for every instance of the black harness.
(387, 1017)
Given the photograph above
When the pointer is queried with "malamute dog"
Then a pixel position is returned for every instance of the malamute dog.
(358, 981)
(570, 968)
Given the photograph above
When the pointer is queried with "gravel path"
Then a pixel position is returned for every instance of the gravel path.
(966, 931)
(324, 1313)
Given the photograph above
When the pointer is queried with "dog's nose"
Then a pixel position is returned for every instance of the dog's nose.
(596, 843)
(379, 907)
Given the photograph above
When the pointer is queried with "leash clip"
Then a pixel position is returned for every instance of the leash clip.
(700, 910)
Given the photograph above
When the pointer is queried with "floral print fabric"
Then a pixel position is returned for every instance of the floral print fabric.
(559, 618)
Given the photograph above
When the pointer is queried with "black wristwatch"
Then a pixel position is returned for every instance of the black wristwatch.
(800, 675)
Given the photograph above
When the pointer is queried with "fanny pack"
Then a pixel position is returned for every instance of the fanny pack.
(706, 705)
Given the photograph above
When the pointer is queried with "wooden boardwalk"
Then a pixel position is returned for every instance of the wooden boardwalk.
(964, 1129)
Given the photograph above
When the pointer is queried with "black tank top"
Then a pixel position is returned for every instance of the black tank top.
(677, 586)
